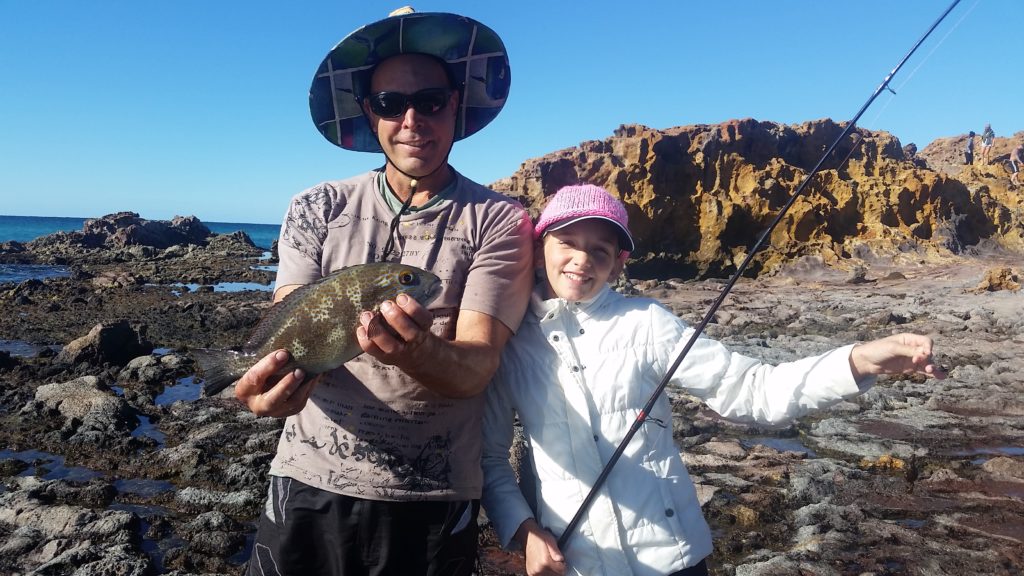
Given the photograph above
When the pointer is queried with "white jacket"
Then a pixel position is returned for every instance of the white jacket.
(578, 374)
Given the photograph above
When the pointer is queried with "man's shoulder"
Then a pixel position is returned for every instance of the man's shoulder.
(480, 193)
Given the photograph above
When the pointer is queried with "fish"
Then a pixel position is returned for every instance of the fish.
(317, 322)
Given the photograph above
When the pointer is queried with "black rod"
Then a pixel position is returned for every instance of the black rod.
(570, 529)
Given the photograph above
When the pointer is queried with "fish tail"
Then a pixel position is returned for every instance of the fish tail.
(220, 368)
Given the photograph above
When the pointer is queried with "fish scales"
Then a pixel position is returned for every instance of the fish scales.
(317, 322)
(322, 328)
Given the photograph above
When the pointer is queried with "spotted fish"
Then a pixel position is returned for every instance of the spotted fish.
(317, 323)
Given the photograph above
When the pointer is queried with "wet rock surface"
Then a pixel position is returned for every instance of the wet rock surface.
(124, 465)
(149, 274)
(901, 480)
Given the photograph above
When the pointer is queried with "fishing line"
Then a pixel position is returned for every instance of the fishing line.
(570, 529)
(885, 105)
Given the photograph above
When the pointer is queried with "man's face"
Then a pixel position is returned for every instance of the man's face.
(415, 142)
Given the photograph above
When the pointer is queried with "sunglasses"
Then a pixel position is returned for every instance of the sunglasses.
(393, 104)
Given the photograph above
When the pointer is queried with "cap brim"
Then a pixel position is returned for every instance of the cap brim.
(625, 238)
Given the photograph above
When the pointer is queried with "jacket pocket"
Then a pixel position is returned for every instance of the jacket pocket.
(670, 488)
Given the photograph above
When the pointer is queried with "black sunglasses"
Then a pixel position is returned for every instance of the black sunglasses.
(393, 104)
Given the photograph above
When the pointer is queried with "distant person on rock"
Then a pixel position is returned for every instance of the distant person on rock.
(969, 150)
(578, 374)
(377, 469)
(988, 137)
(1016, 157)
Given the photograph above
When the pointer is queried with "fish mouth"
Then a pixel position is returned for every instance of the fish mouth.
(432, 293)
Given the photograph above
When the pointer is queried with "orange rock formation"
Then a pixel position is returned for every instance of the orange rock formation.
(699, 196)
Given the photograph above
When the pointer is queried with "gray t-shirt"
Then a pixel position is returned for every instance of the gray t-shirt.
(369, 430)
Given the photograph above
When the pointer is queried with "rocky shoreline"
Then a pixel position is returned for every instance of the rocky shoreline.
(914, 477)
(113, 464)
(109, 461)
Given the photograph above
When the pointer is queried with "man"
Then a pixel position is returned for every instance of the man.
(1016, 157)
(378, 467)
(969, 150)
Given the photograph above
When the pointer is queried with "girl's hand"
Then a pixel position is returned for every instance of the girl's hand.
(543, 558)
(896, 354)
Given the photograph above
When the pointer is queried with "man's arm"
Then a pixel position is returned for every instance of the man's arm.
(457, 368)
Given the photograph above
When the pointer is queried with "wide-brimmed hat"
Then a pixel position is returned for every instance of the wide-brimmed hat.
(582, 202)
(474, 54)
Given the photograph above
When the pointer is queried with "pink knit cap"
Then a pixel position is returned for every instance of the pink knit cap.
(579, 202)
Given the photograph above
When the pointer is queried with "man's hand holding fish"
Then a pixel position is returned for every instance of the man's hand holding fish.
(267, 396)
(432, 360)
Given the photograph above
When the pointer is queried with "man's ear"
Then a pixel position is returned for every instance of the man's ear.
(454, 103)
(369, 115)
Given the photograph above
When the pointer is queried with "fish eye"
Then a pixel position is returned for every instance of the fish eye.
(406, 277)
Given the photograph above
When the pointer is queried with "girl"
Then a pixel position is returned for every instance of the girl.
(580, 369)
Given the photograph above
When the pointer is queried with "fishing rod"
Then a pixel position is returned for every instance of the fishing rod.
(570, 529)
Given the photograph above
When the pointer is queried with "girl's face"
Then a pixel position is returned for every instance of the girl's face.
(579, 259)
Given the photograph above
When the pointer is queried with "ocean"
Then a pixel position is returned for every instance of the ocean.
(28, 228)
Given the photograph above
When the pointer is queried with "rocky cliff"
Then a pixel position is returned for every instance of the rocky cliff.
(699, 196)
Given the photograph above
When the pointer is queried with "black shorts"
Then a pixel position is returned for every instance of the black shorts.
(1013, 166)
(308, 531)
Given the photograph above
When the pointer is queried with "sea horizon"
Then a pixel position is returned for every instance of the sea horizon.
(109, 213)
(28, 228)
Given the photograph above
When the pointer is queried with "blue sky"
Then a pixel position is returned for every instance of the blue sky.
(199, 107)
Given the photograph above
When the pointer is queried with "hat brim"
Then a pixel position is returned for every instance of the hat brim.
(475, 55)
(625, 238)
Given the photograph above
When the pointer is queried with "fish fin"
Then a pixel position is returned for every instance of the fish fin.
(220, 368)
